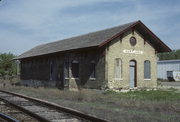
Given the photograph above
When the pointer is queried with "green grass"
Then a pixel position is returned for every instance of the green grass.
(168, 94)
(154, 106)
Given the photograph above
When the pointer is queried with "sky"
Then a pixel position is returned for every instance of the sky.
(25, 24)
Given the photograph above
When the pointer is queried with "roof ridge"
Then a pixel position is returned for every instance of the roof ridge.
(91, 39)
(89, 33)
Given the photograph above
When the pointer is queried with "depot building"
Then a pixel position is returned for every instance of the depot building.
(120, 57)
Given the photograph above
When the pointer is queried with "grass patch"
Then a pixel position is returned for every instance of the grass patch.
(153, 106)
(168, 94)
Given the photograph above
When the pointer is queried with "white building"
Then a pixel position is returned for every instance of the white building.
(167, 65)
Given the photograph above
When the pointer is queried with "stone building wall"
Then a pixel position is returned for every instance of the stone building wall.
(85, 58)
(37, 70)
(48, 70)
(119, 48)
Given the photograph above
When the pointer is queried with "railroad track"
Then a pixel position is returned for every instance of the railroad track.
(6, 118)
(45, 111)
(9, 113)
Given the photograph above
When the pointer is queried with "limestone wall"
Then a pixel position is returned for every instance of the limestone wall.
(84, 59)
(49, 70)
(119, 48)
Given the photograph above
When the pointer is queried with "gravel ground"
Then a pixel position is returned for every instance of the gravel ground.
(175, 85)
(170, 83)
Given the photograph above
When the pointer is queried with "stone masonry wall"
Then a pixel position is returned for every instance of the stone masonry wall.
(115, 50)
(84, 58)
(48, 71)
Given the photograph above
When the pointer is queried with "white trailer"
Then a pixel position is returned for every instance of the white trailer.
(167, 65)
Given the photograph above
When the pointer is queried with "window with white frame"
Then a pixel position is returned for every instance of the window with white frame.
(147, 69)
(92, 69)
(75, 69)
(118, 68)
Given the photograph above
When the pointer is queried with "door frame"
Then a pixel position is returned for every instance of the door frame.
(135, 72)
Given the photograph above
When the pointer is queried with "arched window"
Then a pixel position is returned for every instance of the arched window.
(75, 69)
(147, 69)
(118, 68)
(92, 69)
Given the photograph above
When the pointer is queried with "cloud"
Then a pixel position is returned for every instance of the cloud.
(33, 22)
(15, 43)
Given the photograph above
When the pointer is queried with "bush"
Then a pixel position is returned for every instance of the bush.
(7, 66)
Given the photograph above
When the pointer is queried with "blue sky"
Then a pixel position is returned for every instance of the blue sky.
(25, 24)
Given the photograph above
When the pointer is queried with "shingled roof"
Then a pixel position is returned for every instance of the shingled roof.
(94, 39)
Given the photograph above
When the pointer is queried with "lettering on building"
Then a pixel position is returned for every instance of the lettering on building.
(133, 51)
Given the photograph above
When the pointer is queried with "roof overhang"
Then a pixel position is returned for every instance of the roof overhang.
(114, 32)
(148, 35)
(56, 53)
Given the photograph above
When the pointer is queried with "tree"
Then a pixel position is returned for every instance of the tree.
(175, 54)
(7, 65)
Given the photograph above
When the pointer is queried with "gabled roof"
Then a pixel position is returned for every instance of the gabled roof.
(95, 39)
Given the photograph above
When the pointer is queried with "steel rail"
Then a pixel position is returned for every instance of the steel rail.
(8, 118)
(59, 107)
(39, 118)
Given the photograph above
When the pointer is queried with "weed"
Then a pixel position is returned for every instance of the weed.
(142, 105)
